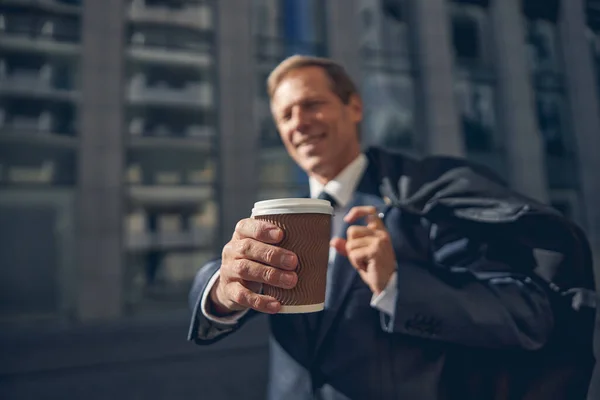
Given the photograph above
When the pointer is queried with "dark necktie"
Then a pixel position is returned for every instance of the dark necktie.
(314, 319)
(326, 196)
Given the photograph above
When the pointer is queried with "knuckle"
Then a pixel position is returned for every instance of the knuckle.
(239, 227)
(269, 255)
(227, 249)
(351, 233)
(241, 268)
(256, 228)
(384, 238)
(269, 275)
(255, 302)
(238, 296)
(243, 246)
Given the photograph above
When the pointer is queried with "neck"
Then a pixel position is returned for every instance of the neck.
(325, 175)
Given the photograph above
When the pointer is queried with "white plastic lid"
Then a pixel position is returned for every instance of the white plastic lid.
(292, 206)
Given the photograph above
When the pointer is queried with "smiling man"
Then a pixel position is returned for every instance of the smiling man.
(412, 301)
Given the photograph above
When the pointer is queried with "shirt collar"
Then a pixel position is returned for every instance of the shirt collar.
(342, 187)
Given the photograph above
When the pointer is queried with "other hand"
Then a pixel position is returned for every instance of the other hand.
(369, 248)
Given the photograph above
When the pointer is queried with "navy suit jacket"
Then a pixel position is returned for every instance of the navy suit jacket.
(459, 298)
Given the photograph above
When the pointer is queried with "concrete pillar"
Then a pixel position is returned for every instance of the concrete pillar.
(583, 97)
(524, 147)
(238, 135)
(434, 61)
(99, 211)
(343, 35)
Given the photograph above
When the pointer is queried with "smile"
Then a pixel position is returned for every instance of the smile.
(311, 140)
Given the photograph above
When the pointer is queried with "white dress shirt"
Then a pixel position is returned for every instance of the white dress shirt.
(341, 188)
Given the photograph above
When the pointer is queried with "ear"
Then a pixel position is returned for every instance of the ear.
(355, 106)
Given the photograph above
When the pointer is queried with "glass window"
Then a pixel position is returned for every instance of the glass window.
(387, 87)
(551, 117)
(548, 83)
(471, 35)
(465, 39)
(477, 111)
(543, 44)
(475, 86)
(389, 110)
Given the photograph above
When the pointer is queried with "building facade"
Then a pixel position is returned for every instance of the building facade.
(134, 134)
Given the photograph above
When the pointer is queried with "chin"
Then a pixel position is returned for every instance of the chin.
(309, 164)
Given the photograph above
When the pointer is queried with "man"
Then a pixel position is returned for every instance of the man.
(412, 304)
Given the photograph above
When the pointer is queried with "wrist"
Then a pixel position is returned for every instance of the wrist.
(216, 305)
(384, 282)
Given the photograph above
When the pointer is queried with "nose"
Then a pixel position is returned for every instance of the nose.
(300, 119)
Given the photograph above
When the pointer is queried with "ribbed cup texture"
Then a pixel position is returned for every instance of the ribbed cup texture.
(307, 235)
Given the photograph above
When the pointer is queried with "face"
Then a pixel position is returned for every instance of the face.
(318, 130)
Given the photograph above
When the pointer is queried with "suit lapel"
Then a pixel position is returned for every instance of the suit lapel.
(341, 274)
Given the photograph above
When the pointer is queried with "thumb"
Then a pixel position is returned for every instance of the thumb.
(339, 245)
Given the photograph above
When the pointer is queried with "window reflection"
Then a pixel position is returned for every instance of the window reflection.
(548, 82)
(474, 77)
(388, 76)
(542, 40)
(476, 104)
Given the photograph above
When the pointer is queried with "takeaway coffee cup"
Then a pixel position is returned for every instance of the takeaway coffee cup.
(307, 227)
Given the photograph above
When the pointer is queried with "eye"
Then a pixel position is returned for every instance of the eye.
(286, 116)
(313, 104)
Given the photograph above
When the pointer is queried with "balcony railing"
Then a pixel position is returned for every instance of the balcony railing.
(40, 82)
(44, 121)
(192, 239)
(194, 94)
(200, 15)
(37, 27)
(169, 195)
(56, 169)
(66, 6)
(138, 128)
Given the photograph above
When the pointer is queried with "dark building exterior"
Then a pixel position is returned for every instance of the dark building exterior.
(135, 133)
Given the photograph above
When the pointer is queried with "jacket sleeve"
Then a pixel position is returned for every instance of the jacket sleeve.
(202, 330)
(472, 292)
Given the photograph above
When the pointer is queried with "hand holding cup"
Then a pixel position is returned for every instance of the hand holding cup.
(250, 259)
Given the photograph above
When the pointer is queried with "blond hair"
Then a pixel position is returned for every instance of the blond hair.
(341, 83)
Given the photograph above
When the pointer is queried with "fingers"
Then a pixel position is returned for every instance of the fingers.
(357, 232)
(339, 245)
(358, 244)
(246, 298)
(259, 230)
(251, 249)
(253, 271)
(360, 257)
(368, 212)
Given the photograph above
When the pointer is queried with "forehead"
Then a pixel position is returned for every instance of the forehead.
(300, 84)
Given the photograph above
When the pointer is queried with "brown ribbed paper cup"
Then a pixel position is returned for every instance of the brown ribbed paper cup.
(307, 227)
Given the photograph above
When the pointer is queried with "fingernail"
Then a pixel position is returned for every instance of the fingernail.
(288, 260)
(287, 279)
(275, 234)
(273, 306)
